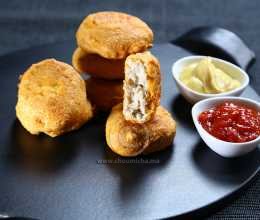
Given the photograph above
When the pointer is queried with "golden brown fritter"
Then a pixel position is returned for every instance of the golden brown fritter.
(104, 94)
(98, 66)
(142, 87)
(128, 139)
(113, 35)
(52, 99)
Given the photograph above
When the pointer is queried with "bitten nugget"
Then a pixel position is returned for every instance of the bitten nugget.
(113, 35)
(127, 139)
(52, 99)
(142, 87)
(98, 66)
(104, 94)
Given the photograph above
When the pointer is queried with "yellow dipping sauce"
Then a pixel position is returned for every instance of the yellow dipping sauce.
(204, 77)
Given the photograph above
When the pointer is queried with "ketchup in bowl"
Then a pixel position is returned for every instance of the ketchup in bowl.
(231, 122)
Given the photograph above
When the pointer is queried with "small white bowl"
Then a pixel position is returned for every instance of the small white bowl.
(193, 96)
(224, 148)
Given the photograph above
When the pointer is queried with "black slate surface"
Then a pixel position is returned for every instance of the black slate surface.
(27, 23)
(70, 177)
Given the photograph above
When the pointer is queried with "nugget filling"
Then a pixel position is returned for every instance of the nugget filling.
(135, 88)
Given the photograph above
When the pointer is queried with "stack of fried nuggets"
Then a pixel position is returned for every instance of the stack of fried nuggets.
(104, 41)
(112, 47)
(140, 125)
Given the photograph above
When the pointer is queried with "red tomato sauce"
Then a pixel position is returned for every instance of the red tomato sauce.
(231, 122)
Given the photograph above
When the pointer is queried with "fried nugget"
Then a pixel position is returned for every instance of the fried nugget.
(98, 66)
(142, 87)
(128, 139)
(52, 99)
(113, 35)
(104, 94)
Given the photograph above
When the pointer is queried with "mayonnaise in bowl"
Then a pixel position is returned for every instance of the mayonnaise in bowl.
(205, 77)
(201, 77)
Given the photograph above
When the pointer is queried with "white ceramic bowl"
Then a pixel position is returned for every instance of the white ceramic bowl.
(223, 148)
(193, 96)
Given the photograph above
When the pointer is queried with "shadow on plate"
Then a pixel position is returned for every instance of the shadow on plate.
(182, 111)
(92, 138)
(225, 170)
(134, 172)
(40, 153)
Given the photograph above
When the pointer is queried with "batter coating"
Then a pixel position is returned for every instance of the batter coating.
(98, 66)
(127, 139)
(52, 99)
(142, 87)
(104, 94)
(113, 35)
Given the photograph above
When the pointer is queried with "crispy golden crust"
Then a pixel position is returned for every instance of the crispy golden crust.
(104, 94)
(52, 99)
(98, 66)
(113, 35)
(163, 130)
(153, 72)
(127, 139)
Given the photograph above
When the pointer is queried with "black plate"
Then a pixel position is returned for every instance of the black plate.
(61, 178)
